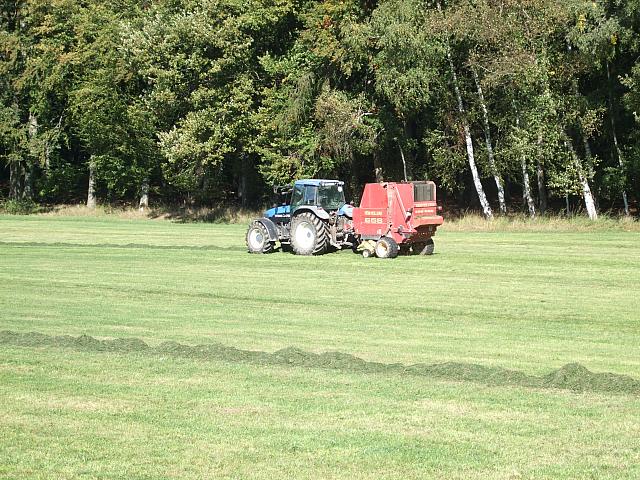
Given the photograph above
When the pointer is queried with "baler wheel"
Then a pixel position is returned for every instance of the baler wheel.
(258, 239)
(387, 247)
(428, 247)
(417, 247)
(309, 235)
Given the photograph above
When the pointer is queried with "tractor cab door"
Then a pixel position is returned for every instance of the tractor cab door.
(303, 195)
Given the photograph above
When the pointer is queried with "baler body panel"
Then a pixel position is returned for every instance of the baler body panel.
(391, 210)
(371, 218)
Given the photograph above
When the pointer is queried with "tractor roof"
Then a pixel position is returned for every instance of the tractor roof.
(318, 182)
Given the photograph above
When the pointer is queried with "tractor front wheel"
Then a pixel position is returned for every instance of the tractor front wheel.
(387, 247)
(258, 239)
(308, 234)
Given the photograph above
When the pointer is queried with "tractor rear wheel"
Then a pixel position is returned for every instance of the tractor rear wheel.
(308, 234)
(258, 239)
(387, 247)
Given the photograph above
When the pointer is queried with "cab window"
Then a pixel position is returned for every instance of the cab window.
(310, 195)
(297, 196)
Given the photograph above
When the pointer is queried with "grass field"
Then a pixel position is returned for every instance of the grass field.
(526, 301)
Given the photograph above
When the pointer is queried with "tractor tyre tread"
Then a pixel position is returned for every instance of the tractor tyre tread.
(267, 247)
(322, 234)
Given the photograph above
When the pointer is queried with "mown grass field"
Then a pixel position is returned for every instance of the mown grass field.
(527, 301)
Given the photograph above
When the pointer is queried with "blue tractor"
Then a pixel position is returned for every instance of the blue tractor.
(312, 219)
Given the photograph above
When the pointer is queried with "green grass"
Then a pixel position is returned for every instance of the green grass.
(526, 300)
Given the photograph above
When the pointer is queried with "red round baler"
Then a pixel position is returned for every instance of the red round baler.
(397, 217)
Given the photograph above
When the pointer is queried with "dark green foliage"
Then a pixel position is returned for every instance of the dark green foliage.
(213, 101)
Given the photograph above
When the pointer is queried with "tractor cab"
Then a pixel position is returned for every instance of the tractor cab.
(327, 195)
(313, 195)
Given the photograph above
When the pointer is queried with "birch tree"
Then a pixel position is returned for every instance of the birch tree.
(91, 187)
(526, 187)
(587, 196)
(143, 204)
(542, 187)
(484, 203)
(614, 135)
(487, 136)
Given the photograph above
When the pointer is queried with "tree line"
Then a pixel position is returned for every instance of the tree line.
(506, 104)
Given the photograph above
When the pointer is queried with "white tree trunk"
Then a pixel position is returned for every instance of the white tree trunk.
(589, 156)
(27, 191)
(589, 202)
(587, 149)
(486, 208)
(615, 140)
(32, 131)
(33, 126)
(144, 195)
(487, 136)
(91, 193)
(526, 188)
(542, 188)
(404, 161)
(586, 193)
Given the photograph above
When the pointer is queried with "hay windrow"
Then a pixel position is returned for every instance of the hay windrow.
(572, 376)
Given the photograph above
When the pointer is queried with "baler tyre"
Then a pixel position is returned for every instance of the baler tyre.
(418, 247)
(258, 239)
(387, 247)
(428, 248)
(366, 253)
(309, 235)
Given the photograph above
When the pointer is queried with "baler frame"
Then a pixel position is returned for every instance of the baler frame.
(389, 212)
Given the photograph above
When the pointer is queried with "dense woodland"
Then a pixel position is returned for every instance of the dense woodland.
(509, 105)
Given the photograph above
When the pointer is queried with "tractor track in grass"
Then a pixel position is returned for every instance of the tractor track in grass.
(572, 376)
